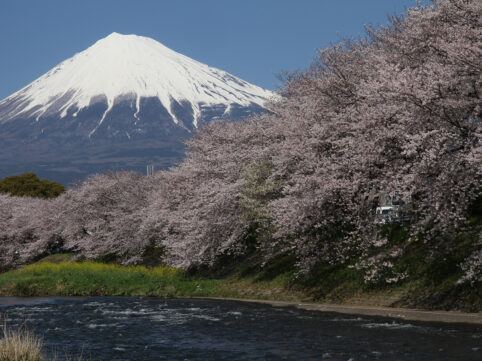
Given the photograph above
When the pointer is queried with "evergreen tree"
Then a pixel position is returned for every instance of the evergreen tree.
(29, 185)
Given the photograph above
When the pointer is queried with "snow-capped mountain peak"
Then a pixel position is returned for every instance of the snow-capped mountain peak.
(130, 66)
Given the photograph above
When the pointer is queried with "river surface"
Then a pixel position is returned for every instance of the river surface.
(134, 329)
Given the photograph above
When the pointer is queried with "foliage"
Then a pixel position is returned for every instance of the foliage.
(257, 191)
(29, 185)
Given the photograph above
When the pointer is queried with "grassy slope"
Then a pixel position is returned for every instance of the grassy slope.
(47, 278)
(55, 276)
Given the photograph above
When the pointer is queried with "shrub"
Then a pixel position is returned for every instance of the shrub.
(29, 185)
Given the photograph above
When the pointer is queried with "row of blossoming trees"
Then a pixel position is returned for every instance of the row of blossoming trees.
(398, 111)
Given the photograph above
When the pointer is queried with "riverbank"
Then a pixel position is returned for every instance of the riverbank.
(100, 279)
(392, 312)
(67, 279)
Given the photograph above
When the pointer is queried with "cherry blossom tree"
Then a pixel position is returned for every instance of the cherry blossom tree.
(99, 217)
(196, 212)
(24, 231)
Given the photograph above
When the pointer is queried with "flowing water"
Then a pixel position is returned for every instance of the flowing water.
(128, 328)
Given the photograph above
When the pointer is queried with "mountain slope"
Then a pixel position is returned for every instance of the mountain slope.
(122, 103)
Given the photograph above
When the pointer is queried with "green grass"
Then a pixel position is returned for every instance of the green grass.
(99, 279)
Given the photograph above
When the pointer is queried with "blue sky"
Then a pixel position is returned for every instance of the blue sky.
(252, 39)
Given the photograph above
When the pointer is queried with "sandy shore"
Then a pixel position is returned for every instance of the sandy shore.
(401, 313)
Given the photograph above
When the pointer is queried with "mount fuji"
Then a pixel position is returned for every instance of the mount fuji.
(125, 102)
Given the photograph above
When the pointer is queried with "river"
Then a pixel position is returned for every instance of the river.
(129, 328)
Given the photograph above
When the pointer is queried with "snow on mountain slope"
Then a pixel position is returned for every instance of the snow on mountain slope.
(134, 66)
